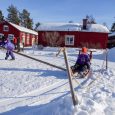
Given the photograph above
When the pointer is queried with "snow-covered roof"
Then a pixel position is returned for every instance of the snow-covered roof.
(112, 34)
(23, 29)
(59, 27)
(97, 28)
(71, 27)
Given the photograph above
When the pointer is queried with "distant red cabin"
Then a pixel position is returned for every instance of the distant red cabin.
(15, 32)
(72, 35)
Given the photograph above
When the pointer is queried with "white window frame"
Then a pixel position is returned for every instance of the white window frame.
(23, 39)
(27, 41)
(11, 36)
(28, 35)
(68, 40)
(1, 35)
(6, 28)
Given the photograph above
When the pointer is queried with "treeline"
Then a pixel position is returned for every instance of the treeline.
(20, 18)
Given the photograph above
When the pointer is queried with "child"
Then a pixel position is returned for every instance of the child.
(10, 47)
(82, 63)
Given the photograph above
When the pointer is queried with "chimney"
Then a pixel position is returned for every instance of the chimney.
(84, 24)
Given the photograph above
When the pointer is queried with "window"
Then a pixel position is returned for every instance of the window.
(23, 38)
(11, 36)
(28, 39)
(69, 39)
(28, 36)
(33, 36)
(6, 28)
(1, 35)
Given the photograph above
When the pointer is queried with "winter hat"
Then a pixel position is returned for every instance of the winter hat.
(84, 49)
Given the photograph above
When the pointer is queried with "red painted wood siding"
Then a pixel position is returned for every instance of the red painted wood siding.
(12, 30)
(89, 39)
(16, 33)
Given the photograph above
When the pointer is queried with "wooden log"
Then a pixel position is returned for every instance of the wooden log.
(58, 67)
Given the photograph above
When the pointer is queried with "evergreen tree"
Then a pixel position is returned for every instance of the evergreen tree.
(37, 25)
(113, 27)
(30, 23)
(1, 16)
(13, 15)
(25, 19)
(21, 19)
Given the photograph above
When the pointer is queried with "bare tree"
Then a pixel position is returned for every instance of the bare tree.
(37, 25)
(90, 19)
(53, 38)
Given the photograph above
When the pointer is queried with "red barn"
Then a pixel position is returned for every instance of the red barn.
(73, 35)
(15, 32)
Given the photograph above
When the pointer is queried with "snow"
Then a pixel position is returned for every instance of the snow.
(97, 28)
(111, 34)
(28, 87)
(23, 29)
(71, 27)
(59, 27)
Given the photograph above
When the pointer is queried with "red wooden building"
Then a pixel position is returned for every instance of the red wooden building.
(73, 35)
(14, 32)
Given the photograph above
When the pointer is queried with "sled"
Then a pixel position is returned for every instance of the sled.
(83, 75)
(79, 74)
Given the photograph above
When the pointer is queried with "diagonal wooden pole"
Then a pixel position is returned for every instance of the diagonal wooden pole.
(74, 98)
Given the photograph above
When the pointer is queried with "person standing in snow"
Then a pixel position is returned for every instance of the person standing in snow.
(18, 44)
(10, 47)
(83, 62)
(3, 41)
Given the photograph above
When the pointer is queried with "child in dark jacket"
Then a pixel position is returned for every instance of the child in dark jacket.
(10, 47)
(83, 62)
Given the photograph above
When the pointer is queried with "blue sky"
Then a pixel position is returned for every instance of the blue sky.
(64, 10)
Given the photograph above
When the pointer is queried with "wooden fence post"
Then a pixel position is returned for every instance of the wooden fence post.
(74, 98)
(106, 59)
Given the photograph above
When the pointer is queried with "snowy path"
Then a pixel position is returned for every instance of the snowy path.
(40, 96)
(47, 93)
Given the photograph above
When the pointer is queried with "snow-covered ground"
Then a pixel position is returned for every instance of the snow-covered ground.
(28, 87)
